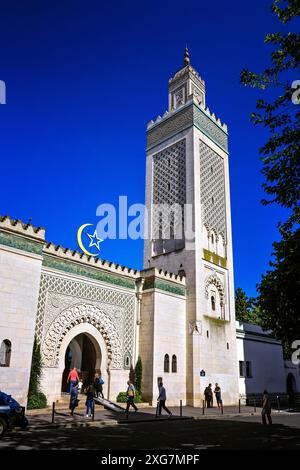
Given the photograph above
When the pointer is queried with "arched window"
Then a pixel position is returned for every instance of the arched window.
(174, 363)
(5, 352)
(167, 363)
(213, 303)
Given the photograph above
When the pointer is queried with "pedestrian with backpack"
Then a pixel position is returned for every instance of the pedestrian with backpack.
(101, 383)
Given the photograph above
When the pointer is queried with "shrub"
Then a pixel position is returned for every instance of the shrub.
(36, 401)
(132, 374)
(138, 374)
(122, 397)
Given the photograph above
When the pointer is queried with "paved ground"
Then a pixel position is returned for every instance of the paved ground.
(214, 431)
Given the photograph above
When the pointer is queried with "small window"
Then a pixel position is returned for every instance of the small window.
(245, 369)
(174, 363)
(248, 369)
(172, 224)
(212, 238)
(213, 200)
(213, 303)
(160, 223)
(169, 186)
(167, 363)
(211, 169)
(5, 353)
(227, 345)
(127, 361)
(207, 334)
(169, 162)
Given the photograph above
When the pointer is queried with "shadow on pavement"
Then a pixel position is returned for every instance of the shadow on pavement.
(180, 435)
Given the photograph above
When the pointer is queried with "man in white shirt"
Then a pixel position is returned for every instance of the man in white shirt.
(162, 397)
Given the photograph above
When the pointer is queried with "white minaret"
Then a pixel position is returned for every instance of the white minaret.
(187, 168)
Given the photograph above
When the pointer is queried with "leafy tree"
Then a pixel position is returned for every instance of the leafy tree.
(279, 290)
(244, 307)
(138, 374)
(281, 153)
(278, 300)
(36, 399)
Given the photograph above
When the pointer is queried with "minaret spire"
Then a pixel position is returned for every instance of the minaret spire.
(186, 60)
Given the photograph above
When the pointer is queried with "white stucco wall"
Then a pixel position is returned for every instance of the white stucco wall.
(19, 287)
(266, 357)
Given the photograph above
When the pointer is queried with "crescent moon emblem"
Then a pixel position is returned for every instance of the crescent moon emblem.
(79, 239)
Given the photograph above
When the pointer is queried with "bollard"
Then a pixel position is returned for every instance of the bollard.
(181, 408)
(254, 406)
(53, 412)
(239, 405)
(278, 403)
(203, 407)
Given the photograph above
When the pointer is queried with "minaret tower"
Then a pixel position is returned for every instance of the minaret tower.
(188, 202)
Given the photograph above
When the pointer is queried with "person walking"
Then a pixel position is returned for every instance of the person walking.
(217, 392)
(90, 393)
(162, 397)
(130, 397)
(73, 378)
(74, 399)
(101, 383)
(266, 408)
(208, 394)
(96, 385)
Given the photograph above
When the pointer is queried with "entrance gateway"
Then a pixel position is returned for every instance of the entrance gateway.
(83, 352)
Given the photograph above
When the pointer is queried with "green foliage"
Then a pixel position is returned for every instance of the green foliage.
(122, 397)
(245, 310)
(132, 374)
(36, 399)
(279, 290)
(138, 374)
(281, 153)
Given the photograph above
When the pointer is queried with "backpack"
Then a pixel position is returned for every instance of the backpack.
(101, 381)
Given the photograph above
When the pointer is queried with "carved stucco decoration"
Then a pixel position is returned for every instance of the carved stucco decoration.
(75, 315)
(216, 281)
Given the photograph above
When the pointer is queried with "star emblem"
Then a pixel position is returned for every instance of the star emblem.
(93, 242)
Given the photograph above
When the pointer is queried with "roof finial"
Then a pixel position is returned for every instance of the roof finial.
(186, 60)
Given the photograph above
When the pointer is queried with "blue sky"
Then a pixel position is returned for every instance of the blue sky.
(84, 77)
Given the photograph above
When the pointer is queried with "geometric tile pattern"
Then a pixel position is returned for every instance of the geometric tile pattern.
(169, 186)
(210, 128)
(212, 183)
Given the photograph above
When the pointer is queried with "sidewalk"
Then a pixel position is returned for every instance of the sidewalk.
(41, 419)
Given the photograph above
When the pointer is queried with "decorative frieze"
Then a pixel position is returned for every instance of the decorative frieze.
(188, 115)
(156, 283)
(86, 271)
(20, 243)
